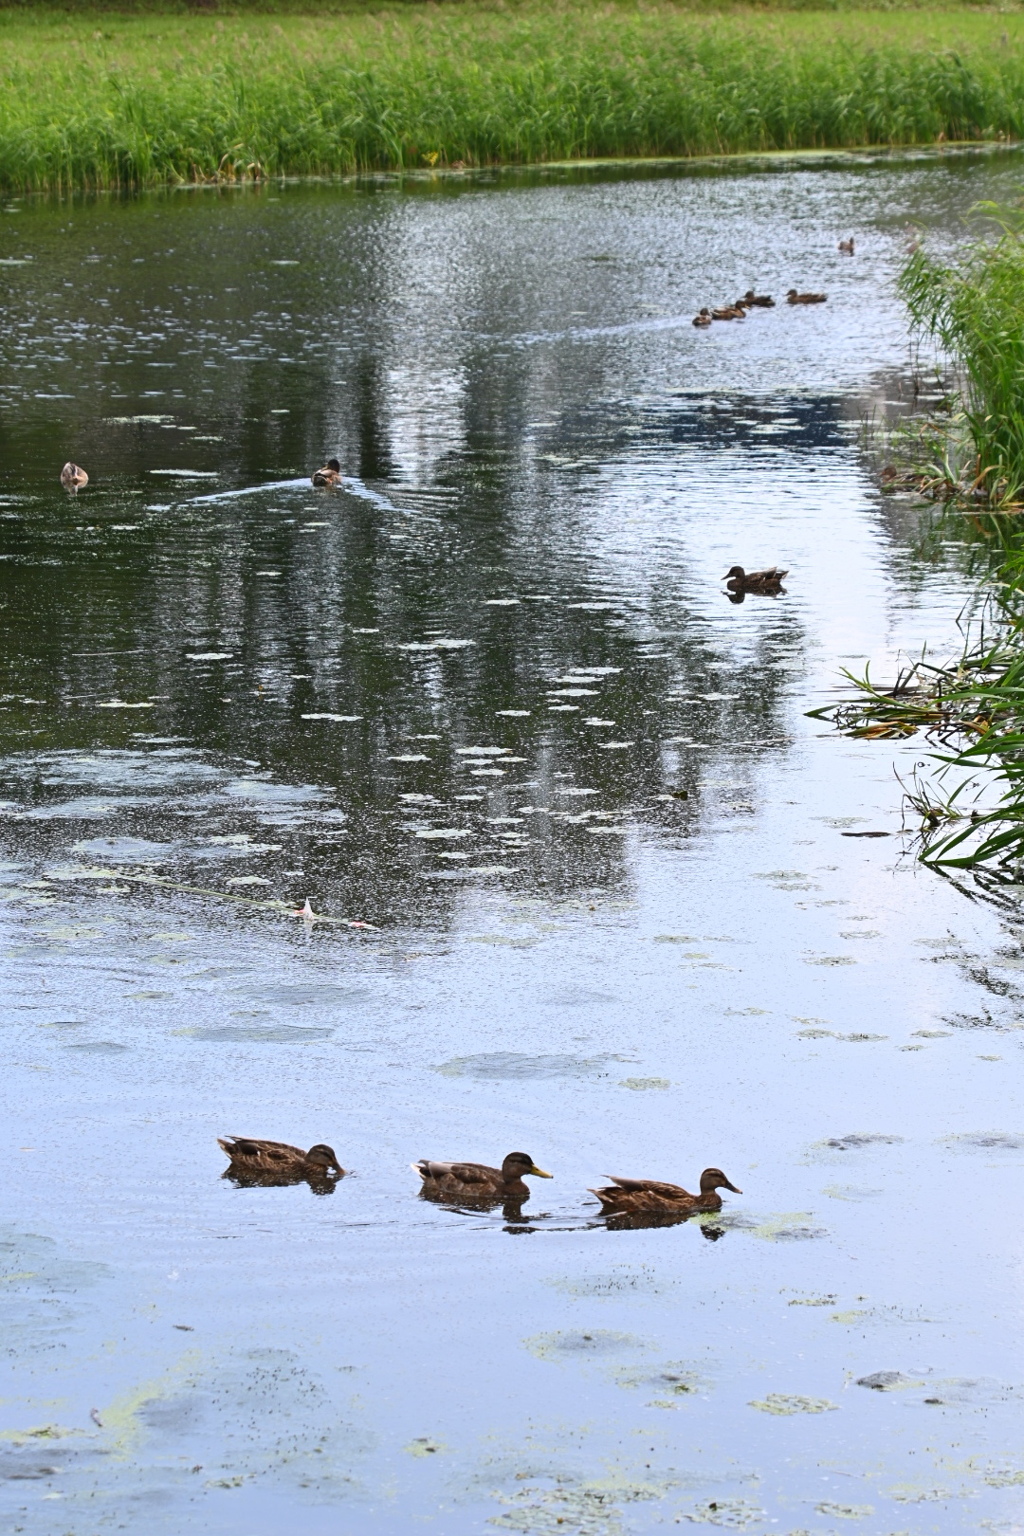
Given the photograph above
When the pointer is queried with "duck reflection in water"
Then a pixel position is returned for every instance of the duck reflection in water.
(640, 1220)
(475, 1186)
(275, 1164)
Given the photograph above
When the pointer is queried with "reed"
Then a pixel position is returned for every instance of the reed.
(91, 101)
(975, 310)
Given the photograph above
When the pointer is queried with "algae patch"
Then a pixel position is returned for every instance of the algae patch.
(786, 1403)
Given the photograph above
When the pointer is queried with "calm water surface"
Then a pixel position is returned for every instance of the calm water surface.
(489, 701)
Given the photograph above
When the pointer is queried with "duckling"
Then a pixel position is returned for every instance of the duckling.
(768, 580)
(728, 312)
(757, 300)
(846, 246)
(704, 318)
(73, 477)
(475, 1181)
(792, 297)
(278, 1158)
(631, 1195)
(329, 475)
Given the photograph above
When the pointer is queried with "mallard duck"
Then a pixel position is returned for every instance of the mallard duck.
(73, 477)
(768, 580)
(475, 1181)
(638, 1195)
(750, 300)
(704, 318)
(329, 475)
(277, 1157)
(846, 246)
(792, 297)
(728, 312)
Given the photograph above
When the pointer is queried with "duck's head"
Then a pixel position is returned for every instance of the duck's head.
(333, 464)
(790, 293)
(323, 1156)
(737, 573)
(714, 1178)
(518, 1164)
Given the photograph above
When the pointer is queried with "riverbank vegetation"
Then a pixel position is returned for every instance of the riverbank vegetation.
(92, 100)
(971, 709)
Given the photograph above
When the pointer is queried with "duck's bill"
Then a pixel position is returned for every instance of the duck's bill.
(540, 1172)
(733, 1188)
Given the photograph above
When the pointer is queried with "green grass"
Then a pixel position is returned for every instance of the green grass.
(93, 100)
(975, 309)
(973, 708)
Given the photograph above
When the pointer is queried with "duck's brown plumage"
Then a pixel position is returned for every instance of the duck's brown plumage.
(751, 300)
(477, 1181)
(768, 580)
(792, 297)
(636, 1195)
(729, 312)
(73, 476)
(278, 1157)
(703, 318)
(329, 475)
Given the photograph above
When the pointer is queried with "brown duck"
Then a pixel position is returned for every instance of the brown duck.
(637, 1195)
(792, 297)
(752, 300)
(277, 1157)
(729, 312)
(329, 475)
(768, 580)
(704, 318)
(475, 1181)
(73, 477)
(846, 246)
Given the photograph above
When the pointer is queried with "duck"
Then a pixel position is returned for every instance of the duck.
(277, 1158)
(704, 318)
(329, 475)
(636, 1195)
(476, 1181)
(73, 477)
(729, 312)
(792, 297)
(752, 300)
(846, 246)
(768, 580)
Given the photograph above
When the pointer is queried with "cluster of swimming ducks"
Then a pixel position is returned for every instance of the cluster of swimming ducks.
(752, 300)
(275, 1163)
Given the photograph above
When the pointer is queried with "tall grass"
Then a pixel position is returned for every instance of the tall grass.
(973, 708)
(975, 309)
(137, 101)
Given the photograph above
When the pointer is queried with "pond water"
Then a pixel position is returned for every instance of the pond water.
(488, 700)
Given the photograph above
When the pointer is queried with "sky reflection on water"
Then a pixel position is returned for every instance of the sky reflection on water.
(490, 701)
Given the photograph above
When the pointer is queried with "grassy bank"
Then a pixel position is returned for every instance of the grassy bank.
(972, 710)
(98, 100)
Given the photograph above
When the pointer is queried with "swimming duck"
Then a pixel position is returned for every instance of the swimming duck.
(704, 318)
(278, 1158)
(329, 475)
(633, 1195)
(73, 477)
(846, 246)
(728, 312)
(768, 580)
(792, 297)
(475, 1181)
(751, 300)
